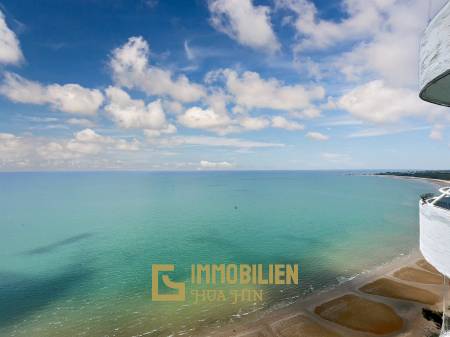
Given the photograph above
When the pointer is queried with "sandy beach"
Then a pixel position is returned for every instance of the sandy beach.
(438, 182)
(386, 301)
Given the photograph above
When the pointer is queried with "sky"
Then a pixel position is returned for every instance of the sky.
(216, 85)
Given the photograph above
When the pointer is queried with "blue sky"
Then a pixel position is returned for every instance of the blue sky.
(215, 84)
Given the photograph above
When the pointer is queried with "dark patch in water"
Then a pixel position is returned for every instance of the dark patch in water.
(21, 295)
(53, 246)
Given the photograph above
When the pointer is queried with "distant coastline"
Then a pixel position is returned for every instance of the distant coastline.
(435, 176)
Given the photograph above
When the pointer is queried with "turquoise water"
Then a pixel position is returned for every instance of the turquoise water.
(76, 248)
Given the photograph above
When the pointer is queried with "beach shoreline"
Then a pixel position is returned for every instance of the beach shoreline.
(414, 325)
(439, 182)
(410, 311)
(302, 314)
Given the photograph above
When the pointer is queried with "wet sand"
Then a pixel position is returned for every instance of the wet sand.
(412, 274)
(428, 267)
(361, 314)
(300, 325)
(387, 301)
(389, 288)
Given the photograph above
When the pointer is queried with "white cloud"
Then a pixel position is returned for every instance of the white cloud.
(306, 113)
(205, 164)
(242, 21)
(124, 145)
(363, 18)
(70, 98)
(173, 107)
(392, 50)
(211, 141)
(222, 123)
(131, 69)
(378, 103)
(89, 135)
(75, 148)
(382, 36)
(10, 52)
(10, 144)
(384, 131)
(189, 52)
(55, 151)
(254, 123)
(281, 122)
(80, 122)
(88, 141)
(341, 121)
(19, 152)
(317, 136)
(437, 132)
(168, 130)
(198, 118)
(251, 91)
(134, 113)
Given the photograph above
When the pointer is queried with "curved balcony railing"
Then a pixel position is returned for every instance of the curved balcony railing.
(435, 242)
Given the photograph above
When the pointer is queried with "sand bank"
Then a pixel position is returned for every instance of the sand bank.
(387, 301)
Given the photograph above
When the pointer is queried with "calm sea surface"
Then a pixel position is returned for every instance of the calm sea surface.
(76, 248)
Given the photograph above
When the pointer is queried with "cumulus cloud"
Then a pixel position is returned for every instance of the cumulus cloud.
(393, 52)
(308, 113)
(198, 118)
(89, 135)
(70, 98)
(134, 113)
(254, 123)
(314, 33)
(281, 122)
(242, 21)
(384, 131)
(80, 122)
(208, 119)
(28, 151)
(10, 52)
(437, 132)
(212, 141)
(205, 164)
(10, 144)
(317, 136)
(382, 35)
(251, 91)
(173, 107)
(88, 141)
(170, 129)
(131, 69)
(75, 149)
(379, 103)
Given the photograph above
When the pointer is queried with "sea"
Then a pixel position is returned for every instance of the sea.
(77, 248)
